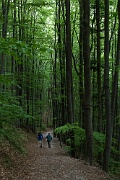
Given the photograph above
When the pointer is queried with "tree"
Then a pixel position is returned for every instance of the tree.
(5, 12)
(107, 92)
(99, 66)
(116, 72)
(87, 81)
(69, 79)
(81, 90)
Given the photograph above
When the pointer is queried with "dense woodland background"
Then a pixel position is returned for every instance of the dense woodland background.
(59, 66)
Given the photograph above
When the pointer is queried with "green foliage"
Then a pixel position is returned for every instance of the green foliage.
(79, 135)
(62, 129)
(115, 158)
(114, 166)
(68, 148)
(11, 113)
(15, 48)
(14, 136)
(41, 128)
(10, 110)
(99, 141)
(98, 146)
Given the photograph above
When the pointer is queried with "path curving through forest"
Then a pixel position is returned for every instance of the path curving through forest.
(53, 164)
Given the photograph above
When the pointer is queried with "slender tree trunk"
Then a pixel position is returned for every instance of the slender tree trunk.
(106, 156)
(87, 81)
(54, 100)
(19, 69)
(81, 64)
(62, 62)
(99, 66)
(63, 80)
(69, 79)
(5, 11)
(116, 73)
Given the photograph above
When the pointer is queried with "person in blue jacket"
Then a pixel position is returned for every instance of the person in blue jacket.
(40, 139)
(49, 139)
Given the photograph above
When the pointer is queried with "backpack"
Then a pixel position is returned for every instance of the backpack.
(40, 137)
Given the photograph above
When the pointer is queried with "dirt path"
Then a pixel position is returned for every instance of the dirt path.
(54, 164)
(50, 164)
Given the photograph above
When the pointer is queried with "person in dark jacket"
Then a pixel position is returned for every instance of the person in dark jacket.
(40, 139)
(49, 139)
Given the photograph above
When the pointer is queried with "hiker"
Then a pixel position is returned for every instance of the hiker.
(40, 138)
(49, 139)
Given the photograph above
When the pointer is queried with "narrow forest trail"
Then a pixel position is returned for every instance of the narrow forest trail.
(53, 164)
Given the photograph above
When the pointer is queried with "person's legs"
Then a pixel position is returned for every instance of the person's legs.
(40, 143)
(49, 144)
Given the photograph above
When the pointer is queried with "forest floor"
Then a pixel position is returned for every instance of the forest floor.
(49, 164)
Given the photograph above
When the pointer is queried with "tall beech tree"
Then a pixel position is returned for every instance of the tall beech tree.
(87, 80)
(99, 66)
(116, 72)
(69, 79)
(54, 63)
(81, 91)
(107, 91)
(61, 38)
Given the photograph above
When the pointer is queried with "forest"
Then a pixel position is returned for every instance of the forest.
(59, 68)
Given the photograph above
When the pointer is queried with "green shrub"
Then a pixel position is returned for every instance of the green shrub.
(62, 129)
(79, 136)
(98, 145)
(114, 166)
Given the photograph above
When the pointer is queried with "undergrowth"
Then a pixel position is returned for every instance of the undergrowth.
(12, 145)
(10, 114)
(14, 136)
(80, 141)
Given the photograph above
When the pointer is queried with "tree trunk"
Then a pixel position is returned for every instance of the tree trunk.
(99, 66)
(106, 156)
(62, 64)
(69, 79)
(81, 64)
(116, 73)
(87, 81)
(5, 11)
